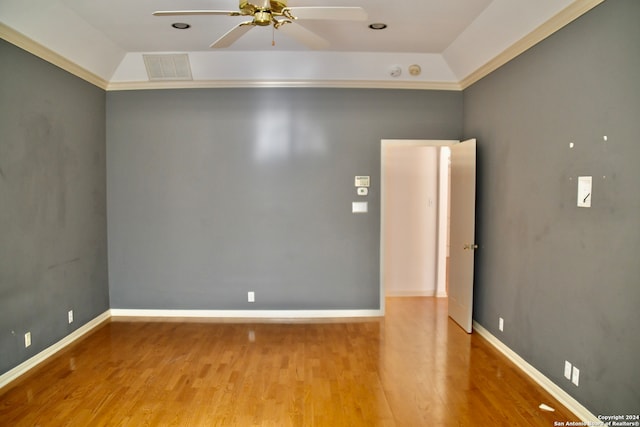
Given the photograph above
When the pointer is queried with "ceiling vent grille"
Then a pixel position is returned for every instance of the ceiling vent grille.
(168, 67)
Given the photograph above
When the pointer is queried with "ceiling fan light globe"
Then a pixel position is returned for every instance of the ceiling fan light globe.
(262, 18)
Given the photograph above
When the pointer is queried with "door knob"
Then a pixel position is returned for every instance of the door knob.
(470, 246)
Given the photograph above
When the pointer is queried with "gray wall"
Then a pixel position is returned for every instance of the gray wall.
(53, 250)
(565, 279)
(213, 193)
(216, 192)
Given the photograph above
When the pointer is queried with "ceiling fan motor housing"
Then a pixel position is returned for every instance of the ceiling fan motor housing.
(274, 7)
(262, 13)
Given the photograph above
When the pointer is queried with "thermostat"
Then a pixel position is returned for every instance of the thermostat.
(362, 181)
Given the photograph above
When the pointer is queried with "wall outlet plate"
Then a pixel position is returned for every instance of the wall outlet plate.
(575, 378)
(70, 316)
(567, 369)
(27, 339)
(501, 324)
(251, 296)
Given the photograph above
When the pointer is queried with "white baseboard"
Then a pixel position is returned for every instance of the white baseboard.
(245, 314)
(37, 359)
(562, 396)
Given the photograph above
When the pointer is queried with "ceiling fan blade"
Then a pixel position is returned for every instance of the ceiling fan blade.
(232, 35)
(304, 36)
(195, 12)
(332, 13)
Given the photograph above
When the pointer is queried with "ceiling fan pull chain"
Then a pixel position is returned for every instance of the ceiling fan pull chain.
(273, 36)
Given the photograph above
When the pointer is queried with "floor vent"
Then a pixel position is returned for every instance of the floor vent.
(168, 67)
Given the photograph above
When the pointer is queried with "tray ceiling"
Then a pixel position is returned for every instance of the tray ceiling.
(449, 40)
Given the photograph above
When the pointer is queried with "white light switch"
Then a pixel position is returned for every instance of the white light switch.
(359, 207)
(584, 191)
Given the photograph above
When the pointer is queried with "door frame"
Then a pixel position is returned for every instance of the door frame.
(441, 239)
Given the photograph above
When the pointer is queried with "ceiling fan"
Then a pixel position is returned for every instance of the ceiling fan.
(276, 13)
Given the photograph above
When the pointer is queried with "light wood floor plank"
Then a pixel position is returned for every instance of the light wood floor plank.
(415, 367)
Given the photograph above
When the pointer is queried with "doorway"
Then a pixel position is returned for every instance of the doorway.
(414, 234)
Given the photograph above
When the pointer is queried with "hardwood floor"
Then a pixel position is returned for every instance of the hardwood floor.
(415, 367)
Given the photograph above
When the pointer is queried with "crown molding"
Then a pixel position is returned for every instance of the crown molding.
(561, 19)
(14, 37)
(23, 42)
(348, 84)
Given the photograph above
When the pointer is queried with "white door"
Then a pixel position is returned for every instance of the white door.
(462, 232)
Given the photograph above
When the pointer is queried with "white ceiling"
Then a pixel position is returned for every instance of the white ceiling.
(449, 39)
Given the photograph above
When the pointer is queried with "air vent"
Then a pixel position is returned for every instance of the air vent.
(168, 67)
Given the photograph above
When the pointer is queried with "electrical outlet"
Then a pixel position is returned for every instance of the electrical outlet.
(251, 296)
(27, 339)
(575, 378)
(501, 324)
(567, 369)
(70, 315)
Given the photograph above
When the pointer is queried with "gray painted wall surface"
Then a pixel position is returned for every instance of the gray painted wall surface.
(213, 193)
(565, 279)
(53, 249)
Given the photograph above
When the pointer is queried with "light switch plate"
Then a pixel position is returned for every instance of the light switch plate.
(359, 207)
(584, 191)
